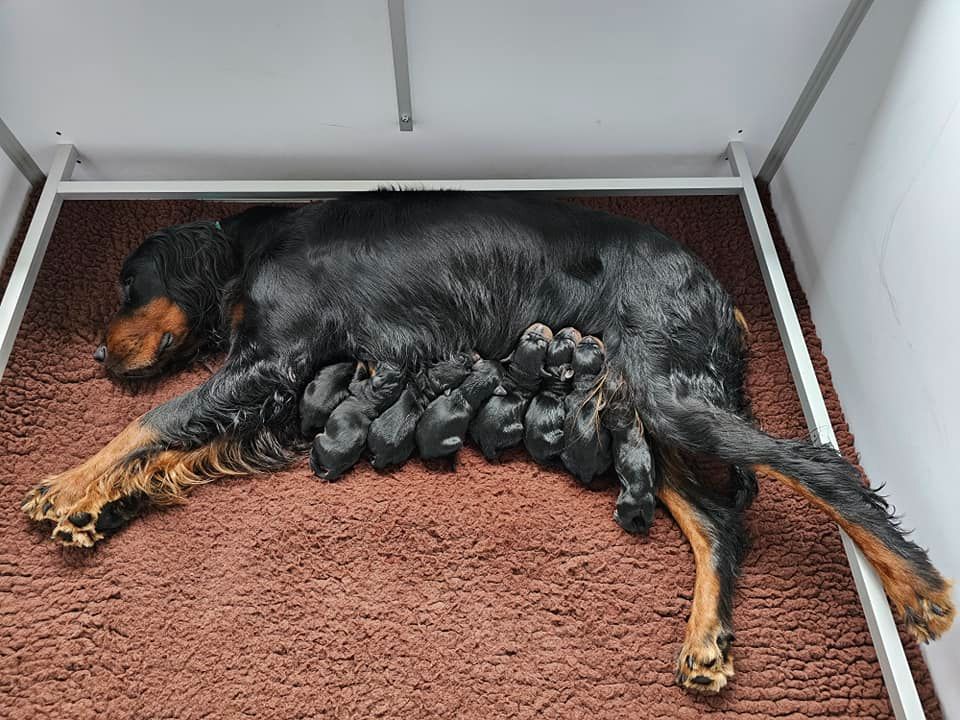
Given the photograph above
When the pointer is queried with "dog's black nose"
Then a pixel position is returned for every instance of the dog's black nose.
(100, 354)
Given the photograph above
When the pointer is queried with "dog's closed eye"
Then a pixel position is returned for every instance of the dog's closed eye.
(165, 342)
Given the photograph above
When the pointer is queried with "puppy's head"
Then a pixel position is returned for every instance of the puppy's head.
(484, 380)
(446, 374)
(560, 350)
(530, 351)
(170, 289)
(589, 357)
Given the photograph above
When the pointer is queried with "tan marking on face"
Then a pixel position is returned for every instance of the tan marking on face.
(133, 339)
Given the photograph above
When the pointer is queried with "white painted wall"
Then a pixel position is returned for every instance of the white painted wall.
(14, 189)
(869, 200)
(305, 89)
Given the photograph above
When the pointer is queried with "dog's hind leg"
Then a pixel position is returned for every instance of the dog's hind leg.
(716, 537)
(916, 589)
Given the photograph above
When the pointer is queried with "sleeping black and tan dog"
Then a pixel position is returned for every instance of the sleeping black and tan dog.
(392, 436)
(543, 424)
(410, 277)
(444, 424)
(498, 425)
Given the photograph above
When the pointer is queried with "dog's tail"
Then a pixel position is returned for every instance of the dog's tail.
(918, 591)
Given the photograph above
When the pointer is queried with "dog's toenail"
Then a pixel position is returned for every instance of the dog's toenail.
(47, 507)
(42, 490)
(701, 680)
(81, 519)
(937, 610)
(689, 662)
(64, 535)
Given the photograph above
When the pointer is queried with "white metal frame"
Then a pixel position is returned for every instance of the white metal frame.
(59, 187)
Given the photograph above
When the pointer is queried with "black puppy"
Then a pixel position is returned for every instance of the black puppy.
(633, 464)
(327, 390)
(391, 439)
(444, 423)
(586, 449)
(499, 423)
(341, 443)
(543, 423)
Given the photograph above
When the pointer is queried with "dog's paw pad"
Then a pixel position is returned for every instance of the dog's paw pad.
(705, 666)
(930, 615)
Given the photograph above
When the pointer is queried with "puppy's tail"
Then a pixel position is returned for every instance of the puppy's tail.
(918, 591)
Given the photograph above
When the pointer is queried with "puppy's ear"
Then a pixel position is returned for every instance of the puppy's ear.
(500, 391)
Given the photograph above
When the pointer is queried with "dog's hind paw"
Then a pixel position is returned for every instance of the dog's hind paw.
(706, 665)
(929, 616)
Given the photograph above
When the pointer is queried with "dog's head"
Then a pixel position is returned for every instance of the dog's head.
(171, 290)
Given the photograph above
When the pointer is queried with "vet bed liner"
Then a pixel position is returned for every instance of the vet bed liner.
(496, 591)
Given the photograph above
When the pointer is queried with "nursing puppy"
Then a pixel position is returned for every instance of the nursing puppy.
(392, 436)
(543, 423)
(586, 449)
(633, 464)
(327, 390)
(499, 424)
(444, 424)
(341, 443)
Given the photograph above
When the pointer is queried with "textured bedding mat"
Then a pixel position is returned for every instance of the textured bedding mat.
(498, 591)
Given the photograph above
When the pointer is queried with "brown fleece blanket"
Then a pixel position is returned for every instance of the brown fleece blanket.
(498, 591)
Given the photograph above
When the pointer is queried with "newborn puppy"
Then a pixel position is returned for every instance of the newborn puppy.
(391, 439)
(634, 467)
(341, 443)
(327, 390)
(586, 449)
(444, 423)
(543, 423)
(499, 424)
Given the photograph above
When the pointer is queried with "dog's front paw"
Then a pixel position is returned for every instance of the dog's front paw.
(706, 664)
(82, 510)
